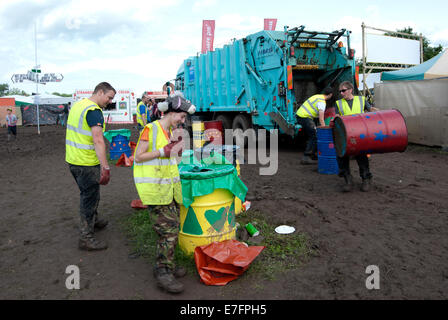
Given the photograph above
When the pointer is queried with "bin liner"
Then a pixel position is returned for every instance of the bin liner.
(218, 263)
(200, 180)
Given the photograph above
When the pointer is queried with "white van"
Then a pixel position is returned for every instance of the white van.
(120, 110)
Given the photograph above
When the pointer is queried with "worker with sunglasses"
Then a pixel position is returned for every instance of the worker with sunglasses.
(348, 105)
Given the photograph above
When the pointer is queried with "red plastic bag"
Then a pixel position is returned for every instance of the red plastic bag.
(137, 204)
(218, 263)
(124, 161)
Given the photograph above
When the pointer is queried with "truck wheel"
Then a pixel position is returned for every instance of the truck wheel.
(226, 121)
(240, 124)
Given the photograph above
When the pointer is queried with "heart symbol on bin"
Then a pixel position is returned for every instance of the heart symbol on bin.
(217, 219)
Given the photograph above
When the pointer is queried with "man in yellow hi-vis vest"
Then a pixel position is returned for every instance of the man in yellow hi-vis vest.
(351, 104)
(157, 180)
(85, 152)
(312, 108)
(142, 112)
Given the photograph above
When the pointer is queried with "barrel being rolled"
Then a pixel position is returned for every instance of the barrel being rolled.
(372, 132)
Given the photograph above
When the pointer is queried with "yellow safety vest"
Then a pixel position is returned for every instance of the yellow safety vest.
(157, 180)
(309, 107)
(79, 147)
(359, 103)
(139, 116)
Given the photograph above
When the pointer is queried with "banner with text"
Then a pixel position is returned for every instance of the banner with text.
(208, 34)
(270, 24)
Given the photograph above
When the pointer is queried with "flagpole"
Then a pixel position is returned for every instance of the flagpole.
(37, 78)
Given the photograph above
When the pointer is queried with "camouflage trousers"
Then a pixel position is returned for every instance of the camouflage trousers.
(87, 179)
(166, 226)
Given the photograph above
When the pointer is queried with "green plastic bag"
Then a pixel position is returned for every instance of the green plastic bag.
(200, 180)
(109, 135)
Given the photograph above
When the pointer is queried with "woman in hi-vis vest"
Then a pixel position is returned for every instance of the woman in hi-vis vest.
(157, 180)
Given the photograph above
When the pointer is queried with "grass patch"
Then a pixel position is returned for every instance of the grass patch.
(282, 252)
(143, 239)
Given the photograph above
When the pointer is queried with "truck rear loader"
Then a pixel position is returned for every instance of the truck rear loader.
(261, 80)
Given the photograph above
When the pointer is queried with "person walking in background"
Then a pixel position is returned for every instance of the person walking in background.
(312, 108)
(65, 114)
(142, 112)
(348, 105)
(157, 180)
(11, 121)
(86, 156)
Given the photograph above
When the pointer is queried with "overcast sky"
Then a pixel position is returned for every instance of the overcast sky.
(141, 44)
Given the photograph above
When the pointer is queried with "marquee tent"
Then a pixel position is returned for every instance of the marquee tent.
(421, 95)
(434, 68)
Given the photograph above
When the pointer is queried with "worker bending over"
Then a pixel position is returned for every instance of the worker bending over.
(157, 180)
(313, 108)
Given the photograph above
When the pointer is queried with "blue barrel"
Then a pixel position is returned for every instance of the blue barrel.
(118, 146)
(326, 153)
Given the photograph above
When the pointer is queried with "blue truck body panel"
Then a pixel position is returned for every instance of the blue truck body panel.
(251, 75)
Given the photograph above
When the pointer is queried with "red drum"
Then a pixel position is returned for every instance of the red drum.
(213, 132)
(372, 132)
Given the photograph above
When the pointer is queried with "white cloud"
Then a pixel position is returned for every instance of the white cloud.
(203, 5)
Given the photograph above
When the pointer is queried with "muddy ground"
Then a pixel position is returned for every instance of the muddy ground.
(401, 226)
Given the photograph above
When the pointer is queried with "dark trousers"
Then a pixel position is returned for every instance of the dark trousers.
(363, 164)
(309, 128)
(87, 179)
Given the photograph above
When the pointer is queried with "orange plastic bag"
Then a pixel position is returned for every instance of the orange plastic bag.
(124, 161)
(218, 263)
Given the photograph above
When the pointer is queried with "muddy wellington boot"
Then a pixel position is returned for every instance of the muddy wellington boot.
(348, 186)
(366, 185)
(307, 160)
(91, 244)
(87, 241)
(166, 281)
(100, 224)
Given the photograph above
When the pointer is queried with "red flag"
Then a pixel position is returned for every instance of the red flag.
(270, 24)
(208, 34)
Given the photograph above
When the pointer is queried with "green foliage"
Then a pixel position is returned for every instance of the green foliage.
(4, 87)
(5, 90)
(67, 95)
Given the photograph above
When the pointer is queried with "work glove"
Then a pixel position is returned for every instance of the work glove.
(166, 151)
(105, 176)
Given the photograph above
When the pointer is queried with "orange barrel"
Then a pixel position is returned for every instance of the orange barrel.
(372, 132)
(213, 129)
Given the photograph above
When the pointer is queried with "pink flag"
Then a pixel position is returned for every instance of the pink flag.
(270, 24)
(208, 34)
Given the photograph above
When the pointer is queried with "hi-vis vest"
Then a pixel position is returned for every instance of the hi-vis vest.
(359, 103)
(79, 148)
(157, 180)
(139, 116)
(309, 107)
